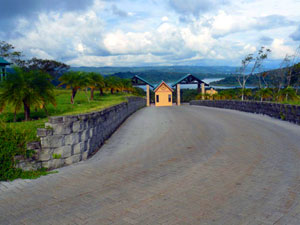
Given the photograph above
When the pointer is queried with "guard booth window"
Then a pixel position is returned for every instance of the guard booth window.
(157, 98)
(169, 98)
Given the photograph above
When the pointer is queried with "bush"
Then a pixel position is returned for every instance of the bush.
(11, 144)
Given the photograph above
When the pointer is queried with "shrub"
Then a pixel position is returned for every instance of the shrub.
(11, 144)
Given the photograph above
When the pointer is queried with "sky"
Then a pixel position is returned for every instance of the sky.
(150, 32)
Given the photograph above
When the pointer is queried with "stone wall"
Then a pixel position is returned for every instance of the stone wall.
(70, 139)
(286, 112)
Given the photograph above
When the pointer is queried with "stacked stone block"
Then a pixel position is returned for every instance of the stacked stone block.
(69, 139)
(286, 112)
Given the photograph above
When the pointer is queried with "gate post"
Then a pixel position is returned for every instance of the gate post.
(178, 94)
(148, 95)
(202, 90)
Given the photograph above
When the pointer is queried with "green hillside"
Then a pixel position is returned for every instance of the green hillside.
(166, 73)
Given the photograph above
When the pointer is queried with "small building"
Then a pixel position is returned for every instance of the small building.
(3, 64)
(163, 94)
(211, 92)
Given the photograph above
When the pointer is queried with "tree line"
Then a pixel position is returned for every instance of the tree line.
(30, 86)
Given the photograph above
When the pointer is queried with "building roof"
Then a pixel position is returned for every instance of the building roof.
(135, 81)
(3, 62)
(188, 79)
(160, 84)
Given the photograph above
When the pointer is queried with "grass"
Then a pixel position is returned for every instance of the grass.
(33, 174)
(64, 107)
(291, 102)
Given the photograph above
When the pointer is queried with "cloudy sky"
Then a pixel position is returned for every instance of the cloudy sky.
(150, 32)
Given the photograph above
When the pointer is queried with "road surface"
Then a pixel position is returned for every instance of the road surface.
(172, 165)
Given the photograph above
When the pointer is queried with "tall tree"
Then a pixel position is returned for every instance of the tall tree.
(295, 76)
(27, 88)
(257, 62)
(54, 68)
(8, 51)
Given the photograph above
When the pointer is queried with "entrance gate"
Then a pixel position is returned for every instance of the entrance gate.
(188, 79)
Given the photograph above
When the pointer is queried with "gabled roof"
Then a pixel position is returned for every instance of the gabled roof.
(137, 78)
(3, 62)
(160, 84)
(188, 79)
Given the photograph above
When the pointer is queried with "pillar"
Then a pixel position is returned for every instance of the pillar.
(202, 90)
(178, 94)
(199, 88)
(148, 95)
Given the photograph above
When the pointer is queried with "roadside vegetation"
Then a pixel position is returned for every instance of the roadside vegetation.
(281, 85)
(28, 95)
(284, 96)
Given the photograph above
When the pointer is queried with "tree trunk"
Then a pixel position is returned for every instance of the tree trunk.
(92, 94)
(15, 116)
(74, 91)
(26, 111)
(101, 91)
(111, 90)
(46, 111)
(86, 93)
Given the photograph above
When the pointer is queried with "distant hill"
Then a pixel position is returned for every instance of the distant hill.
(272, 77)
(166, 73)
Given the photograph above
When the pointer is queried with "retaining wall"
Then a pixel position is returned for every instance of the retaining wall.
(70, 139)
(286, 112)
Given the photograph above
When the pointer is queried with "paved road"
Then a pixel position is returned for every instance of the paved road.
(179, 165)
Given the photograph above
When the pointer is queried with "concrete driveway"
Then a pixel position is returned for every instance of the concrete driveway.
(172, 165)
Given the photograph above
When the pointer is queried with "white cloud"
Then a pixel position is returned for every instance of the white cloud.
(280, 49)
(103, 34)
(165, 19)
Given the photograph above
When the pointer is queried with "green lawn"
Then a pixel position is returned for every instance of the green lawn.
(295, 102)
(64, 107)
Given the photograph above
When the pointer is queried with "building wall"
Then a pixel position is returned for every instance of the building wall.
(163, 93)
(70, 139)
(286, 112)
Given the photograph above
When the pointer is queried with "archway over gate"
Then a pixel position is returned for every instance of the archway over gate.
(190, 79)
(187, 79)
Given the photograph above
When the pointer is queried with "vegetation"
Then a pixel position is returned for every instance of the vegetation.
(63, 107)
(30, 89)
(285, 96)
(13, 143)
(257, 61)
(273, 78)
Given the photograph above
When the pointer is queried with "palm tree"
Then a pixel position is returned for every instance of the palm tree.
(95, 80)
(288, 93)
(246, 93)
(28, 88)
(264, 93)
(113, 83)
(126, 85)
(73, 80)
